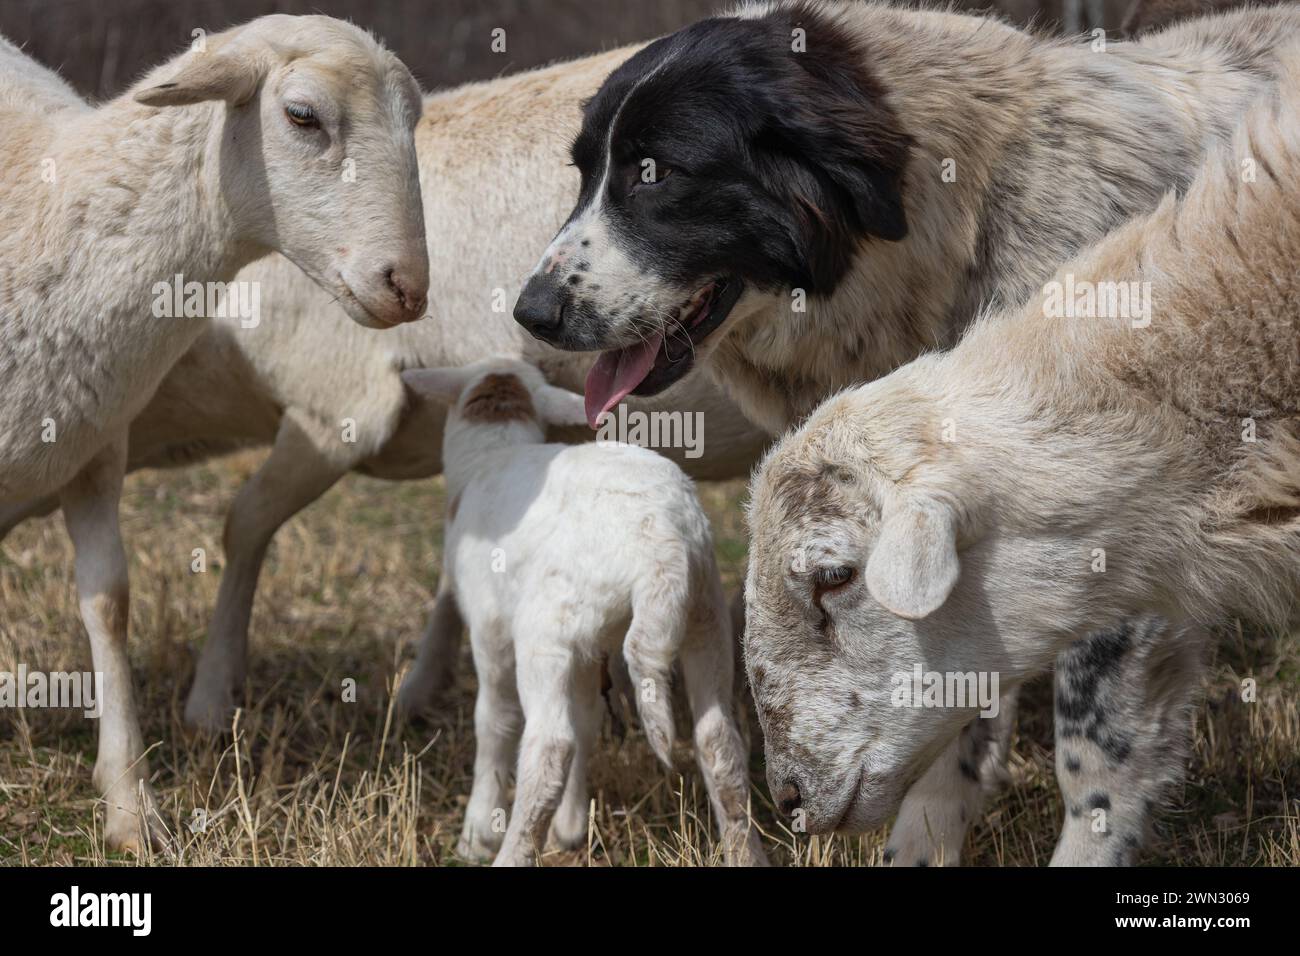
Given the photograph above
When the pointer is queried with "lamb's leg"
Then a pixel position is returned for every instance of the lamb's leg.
(435, 659)
(653, 642)
(295, 474)
(550, 740)
(708, 670)
(1123, 721)
(569, 827)
(12, 515)
(620, 697)
(90, 511)
(498, 721)
(940, 807)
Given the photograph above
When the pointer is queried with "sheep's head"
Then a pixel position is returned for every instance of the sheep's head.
(317, 154)
(872, 554)
(498, 391)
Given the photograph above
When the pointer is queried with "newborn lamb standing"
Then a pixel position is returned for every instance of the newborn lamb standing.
(559, 555)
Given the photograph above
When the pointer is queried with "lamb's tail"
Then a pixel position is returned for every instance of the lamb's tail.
(659, 610)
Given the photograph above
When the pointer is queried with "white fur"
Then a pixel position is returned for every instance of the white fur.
(561, 556)
(304, 369)
(1037, 445)
(194, 171)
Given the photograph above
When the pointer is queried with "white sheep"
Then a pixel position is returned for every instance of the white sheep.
(296, 376)
(559, 555)
(1127, 444)
(290, 134)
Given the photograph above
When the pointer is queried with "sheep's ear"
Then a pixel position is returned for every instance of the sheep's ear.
(440, 384)
(207, 76)
(559, 406)
(914, 565)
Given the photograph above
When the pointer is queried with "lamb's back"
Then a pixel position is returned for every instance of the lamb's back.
(591, 519)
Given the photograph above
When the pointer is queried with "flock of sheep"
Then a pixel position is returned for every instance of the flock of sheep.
(948, 514)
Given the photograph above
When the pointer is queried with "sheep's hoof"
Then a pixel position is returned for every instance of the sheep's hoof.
(407, 710)
(743, 847)
(567, 835)
(123, 832)
(209, 711)
(474, 850)
(420, 698)
(516, 857)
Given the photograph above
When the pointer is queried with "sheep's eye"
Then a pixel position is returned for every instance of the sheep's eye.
(826, 580)
(301, 115)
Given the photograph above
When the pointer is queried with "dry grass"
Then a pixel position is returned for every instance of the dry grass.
(312, 780)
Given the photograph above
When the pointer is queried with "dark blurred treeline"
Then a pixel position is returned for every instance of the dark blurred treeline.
(100, 46)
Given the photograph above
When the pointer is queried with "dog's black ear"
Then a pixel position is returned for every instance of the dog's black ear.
(829, 116)
(856, 143)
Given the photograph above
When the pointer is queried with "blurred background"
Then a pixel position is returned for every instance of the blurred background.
(100, 46)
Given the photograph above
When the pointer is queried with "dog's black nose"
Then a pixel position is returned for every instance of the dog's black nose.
(788, 798)
(541, 305)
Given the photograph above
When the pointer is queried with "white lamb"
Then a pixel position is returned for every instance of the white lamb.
(559, 555)
(291, 380)
(289, 134)
(1076, 463)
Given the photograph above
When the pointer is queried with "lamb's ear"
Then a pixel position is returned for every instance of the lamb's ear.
(559, 406)
(914, 565)
(440, 384)
(207, 76)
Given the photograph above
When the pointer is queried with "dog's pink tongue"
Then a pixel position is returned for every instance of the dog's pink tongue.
(616, 373)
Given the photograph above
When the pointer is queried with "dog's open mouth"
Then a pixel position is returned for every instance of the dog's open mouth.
(650, 366)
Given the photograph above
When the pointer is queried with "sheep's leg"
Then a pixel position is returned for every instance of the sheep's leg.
(296, 473)
(1123, 720)
(619, 695)
(651, 646)
(708, 670)
(940, 807)
(12, 515)
(435, 660)
(568, 829)
(90, 511)
(550, 741)
(498, 721)
(740, 680)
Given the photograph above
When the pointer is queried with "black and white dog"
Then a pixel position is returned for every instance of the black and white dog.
(805, 195)
(713, 160)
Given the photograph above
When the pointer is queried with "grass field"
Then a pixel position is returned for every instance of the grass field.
(312, 780)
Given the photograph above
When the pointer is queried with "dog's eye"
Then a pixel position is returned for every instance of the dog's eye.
(302, 115)
(651, 174)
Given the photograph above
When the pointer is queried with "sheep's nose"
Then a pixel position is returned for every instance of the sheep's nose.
(788, 798)
(411, 291)
(541, 305)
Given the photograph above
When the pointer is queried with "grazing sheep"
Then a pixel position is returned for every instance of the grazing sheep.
(289, 133)
(1074, 465)
(294, 378)
(803, 196)
(552, 575)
